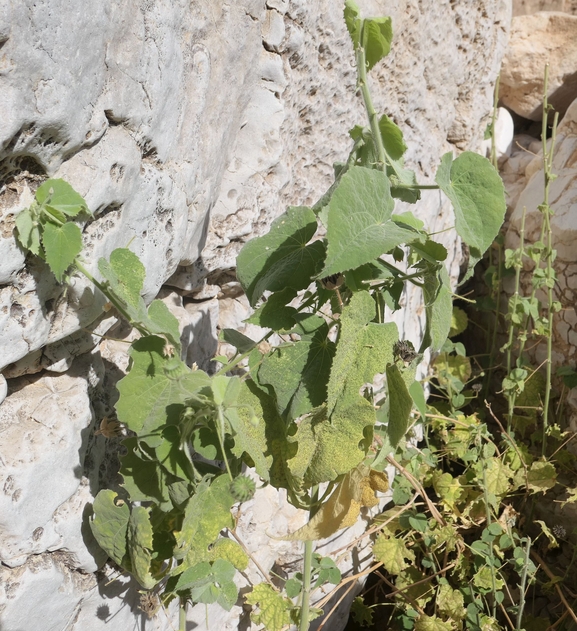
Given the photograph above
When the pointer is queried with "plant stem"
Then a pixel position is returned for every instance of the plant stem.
(306, 592)
(372, 114)
(512, 310)
(546, 210)
(522, 586)
(493, 122)
(491, 557)
(182, 615)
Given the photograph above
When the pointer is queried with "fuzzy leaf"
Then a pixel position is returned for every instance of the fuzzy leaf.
(230, 551)
(153, 392)
(360, 228)
(392, 139)
(210, 583)
(274, 608)
(478, 197)
(62, 244)
(299, 373)
(162, 322)
(110, 524)
(363, 350)
(263, 440)
(125, 273)
(328, 449)
(206, 514)
(392, 553)
(281, 258)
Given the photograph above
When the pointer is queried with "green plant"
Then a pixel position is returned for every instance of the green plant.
(301, 415)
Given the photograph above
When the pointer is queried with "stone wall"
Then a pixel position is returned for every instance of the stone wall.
(187, 126)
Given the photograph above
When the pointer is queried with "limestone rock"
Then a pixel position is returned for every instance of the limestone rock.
(503, 133)
(537, 40)
(44, 424)
(140, 122)
(526, 7)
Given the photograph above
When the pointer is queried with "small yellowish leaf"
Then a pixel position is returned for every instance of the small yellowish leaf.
(552, 541)
(541, 476)
(431, 623)
(274, 608)
(392, 553)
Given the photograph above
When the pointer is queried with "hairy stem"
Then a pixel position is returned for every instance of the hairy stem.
(306, 592)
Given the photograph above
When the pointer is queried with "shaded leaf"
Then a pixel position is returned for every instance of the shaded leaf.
(274, 313)
(28, 232)
(399, 405)
(353, 21)
(299, 373)
(281, 258)
(110, 524)
(438, 307)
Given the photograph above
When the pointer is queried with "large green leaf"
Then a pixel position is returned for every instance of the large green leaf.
(62, 244)
(330, 448)
(377, 34)
(478, 197)
(206, 514)
(110, 524)
(153, 392)
(363, 350)
(60, 196)
(400, 405)
(360, 228)
(140, 545)
(281, 258)
(299, 373)
(261, 433)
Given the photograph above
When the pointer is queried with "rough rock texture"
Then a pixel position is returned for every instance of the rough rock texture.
(526, 7)
(537, 40)
(188, 127)
(563, 200)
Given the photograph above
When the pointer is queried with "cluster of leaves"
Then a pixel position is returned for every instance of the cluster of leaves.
(460, 545)
(304, 413)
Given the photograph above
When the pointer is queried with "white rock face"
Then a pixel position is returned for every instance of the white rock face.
(563, 196)
(188, 127)
(536, 40)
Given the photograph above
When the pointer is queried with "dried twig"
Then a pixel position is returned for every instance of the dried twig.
(554, 578)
